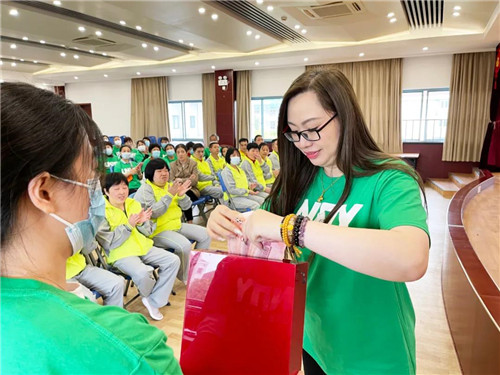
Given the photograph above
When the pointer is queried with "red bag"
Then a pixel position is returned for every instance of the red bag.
(243, 315)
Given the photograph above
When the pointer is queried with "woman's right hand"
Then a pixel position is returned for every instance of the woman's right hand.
(174, 188)
(252, 186)
(224, 223)
(134, 219)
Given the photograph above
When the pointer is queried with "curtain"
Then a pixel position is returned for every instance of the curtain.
(243, 102)
(149, 114)
(468, 111)
(209, 119)
(377, 85)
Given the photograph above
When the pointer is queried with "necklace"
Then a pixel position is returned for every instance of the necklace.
(321, 197)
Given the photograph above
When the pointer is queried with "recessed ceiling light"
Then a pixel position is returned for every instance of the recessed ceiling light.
(14, 12)
(104, 54)
(13, 46)
(201, 10)
(98, 33)
(181, 41)
(105, 76)
(22, 60)
(260, 1)
(13, 64)
(457, 7)
(57, 3)
(63, 46)
(138, 27)
(62, 54)
(393, 20)
(303, 31)
(270, 8)
(76, 77)
(257, 63)
(122, 22)
(215, 16)
(191, 44)
(213, 66)
(390, 15)
(257, 36)
(1, 63)
(36, 62)
(76, 57)
(361, 54)
(138, 73)
(425, 48)
(306, 58)
(173, 70)
(144, 45)
(297, 27)
(456, 14)
(42, 41)
(249, 32)
(91, 51)
(76, 48)
(156, 48)
(25, 38)
(81, 28)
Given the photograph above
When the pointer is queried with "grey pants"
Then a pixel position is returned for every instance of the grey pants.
(109, 285)
(140, 269)
(213, 191)
(243, 203)
(179, 241)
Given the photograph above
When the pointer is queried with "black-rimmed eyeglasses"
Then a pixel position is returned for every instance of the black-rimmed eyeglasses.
(308, 135)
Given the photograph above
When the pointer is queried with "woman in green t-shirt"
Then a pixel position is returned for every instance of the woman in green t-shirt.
(110, 159)
(50, 211)
(155, 153)
(366, 237)
(129, 169)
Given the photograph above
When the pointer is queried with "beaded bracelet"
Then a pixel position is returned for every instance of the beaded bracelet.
(302, 231)
(296, 229)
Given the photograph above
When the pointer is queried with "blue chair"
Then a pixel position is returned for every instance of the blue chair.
(152, 138)
(230, 201)
(200, 203)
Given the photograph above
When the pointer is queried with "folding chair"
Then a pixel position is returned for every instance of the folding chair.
(230, 201)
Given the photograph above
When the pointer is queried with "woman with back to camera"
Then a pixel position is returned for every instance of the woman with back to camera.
(367, 234)
(51, 207)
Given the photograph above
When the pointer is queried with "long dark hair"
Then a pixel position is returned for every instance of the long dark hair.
(34, 121)
(357, 153)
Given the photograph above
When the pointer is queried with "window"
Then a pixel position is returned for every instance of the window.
(424, 114)
(264, 117)
(186, 121)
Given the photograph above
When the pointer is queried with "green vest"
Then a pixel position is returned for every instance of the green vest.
(240, 179)
(217, 164)
(74, 265)
(270, 165)
(171, 219)
(203, 168)
(137, 244)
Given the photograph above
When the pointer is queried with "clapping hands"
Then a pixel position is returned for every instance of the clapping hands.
(140, 218)
(179, 187)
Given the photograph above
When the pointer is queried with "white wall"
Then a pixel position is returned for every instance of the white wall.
(13, 76)
(427, 72)
(111, 103)
(185, 88)
(274, 82)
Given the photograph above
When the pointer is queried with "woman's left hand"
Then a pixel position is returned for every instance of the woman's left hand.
(262, 226)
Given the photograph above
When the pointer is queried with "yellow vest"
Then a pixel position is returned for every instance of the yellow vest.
(244, 157)
(74, 265)
(240, 179)
(137, 244)
(217, 164)
(204, 168)
(171, 219)
(270, 165)
(257, 171)
(277, 156)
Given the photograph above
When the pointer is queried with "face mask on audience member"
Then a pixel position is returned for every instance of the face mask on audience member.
(163, 145)
(235, 160)
(155, 153)
(170, 152)
(147, 143)
(126, 155)
(109, 151)
(118, 143)
(141, 148)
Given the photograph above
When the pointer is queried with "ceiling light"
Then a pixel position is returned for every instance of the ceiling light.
(76, 77)
(390, 15)
(81, 28)
(13, 46)
(34, 61)
(13, 64)
(62, 54)
(257, 36)
(14, 12)
(297, 27)
(270, 8)
(104, 54)
(1, 63)
(98, 33)
(138, 27)
(144, 45)
(62, 45)
(249, 32)
(122, 22)
(57, 3)
(2, 81)
(191, 44)
(25, 38)
(393, 20)
(76, 57)
(22, 59)
(303, 31)
(215, 16)
(425, 48)
(42, 41)
(260, 1)
(361, 54)
(457, 7)
(75, 47)
(173, 70)
(456, 14)
(306, 58)
(201, 10)
(213, 66)
(257, 63)
(181, 41)
(156, 48)
(138, 73)
(91, 51)
(105, 76)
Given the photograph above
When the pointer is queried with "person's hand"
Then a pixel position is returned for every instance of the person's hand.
(145, 215)
(267, 190)
(133, 219)
(252, 186)
(133, 171)
(276, 172)
(251, 192)
(225, 223)
(184, 188)
(139, 166)
(174, 188)
(262, 226)
(259, 158)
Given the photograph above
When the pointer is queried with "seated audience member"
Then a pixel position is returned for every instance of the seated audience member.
(45, 329)
(241, 193)
(215, 161)
(170, 155)
(105, 138)
(110, 159)
(255, 168)
(147, 141)
(110, 286)
(130, 169)
(129, 142)
(268, 175)
(275, 158)
(163, 141)
(213, 138)
(184, 169)
(117, 143)
(189, 146)
(155, 153)
(141, 151)
(243, 143)
(166, 201)
(207, 182)
(123, 236)
(223, 151)
(258, 139)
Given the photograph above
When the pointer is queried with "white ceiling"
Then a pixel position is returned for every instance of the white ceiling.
(177, 37)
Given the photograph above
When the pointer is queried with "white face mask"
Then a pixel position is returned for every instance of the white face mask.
(118, 143)
(141, 148)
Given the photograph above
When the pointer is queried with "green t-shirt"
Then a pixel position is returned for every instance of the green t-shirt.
(110, 161)
(116, 150)
(138, 156)
(133, 180)
(49, 331)
(354, 323)
(206, 152)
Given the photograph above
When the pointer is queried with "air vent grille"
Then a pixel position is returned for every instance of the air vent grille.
(335, 9)
(94, 41)
(423, 13)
